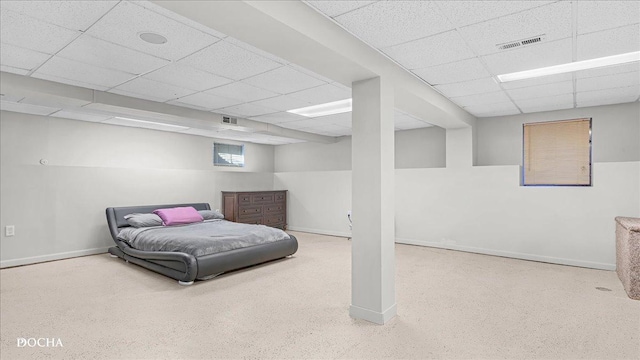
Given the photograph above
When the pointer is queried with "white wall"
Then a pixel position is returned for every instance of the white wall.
(419, 148)
(616, 130)
(484, 209)
(58, 209)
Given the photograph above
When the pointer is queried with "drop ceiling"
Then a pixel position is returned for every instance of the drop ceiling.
(453, 46)
(448, 44)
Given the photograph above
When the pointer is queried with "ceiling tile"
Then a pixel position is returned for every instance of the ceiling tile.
(387, 23)
(463, 13)
(602, 15)
(434, 50)
(284, 80)
(123, 24)
(548, 103)
(21, 58)
(530, 57)
(531, 92)
(553, 20)
(608, 96)
(246, 110)
(85, 73)
(608, 82)
(74, 115)
(343, 119)
(322, 94)
(301, 124)
(458, 71)
(187, 77)
(172, 15)
(609, 70)
(70, 82)
(154, 88)
(242, 91)
(26, 108)
(204, 101)
(537, 81)
(230, 61)
(255, 50)
(335, 8)
(27, 32)
(487, 98)
(277, 118)
(499, 109)
(282, 103)
(74, 15)
(104, 54)
(609, 42)
(329, 130)
(13, 70)
(478, 86)
(310, 73)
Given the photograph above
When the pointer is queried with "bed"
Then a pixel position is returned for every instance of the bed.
(188, 263)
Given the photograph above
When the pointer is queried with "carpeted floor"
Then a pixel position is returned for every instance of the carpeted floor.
(450, 305)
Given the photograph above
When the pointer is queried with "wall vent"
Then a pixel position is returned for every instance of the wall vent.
(229, 120)
(523, 42)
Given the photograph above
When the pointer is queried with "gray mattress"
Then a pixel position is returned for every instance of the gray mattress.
(199, 239)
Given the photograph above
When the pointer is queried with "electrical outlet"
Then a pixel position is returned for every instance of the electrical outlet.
(9, 230)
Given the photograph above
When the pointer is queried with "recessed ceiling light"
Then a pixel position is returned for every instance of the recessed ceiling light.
(336, 107)
(571, 67)
(152, 38)
(170, 126)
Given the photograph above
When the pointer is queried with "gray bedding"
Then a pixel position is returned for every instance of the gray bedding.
(205, 238)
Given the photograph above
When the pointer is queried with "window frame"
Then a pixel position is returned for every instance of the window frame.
(523, 168)
(228, 164)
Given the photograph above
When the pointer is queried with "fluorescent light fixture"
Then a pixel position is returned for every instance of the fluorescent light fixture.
(336, 107)
(573, 66)
(170, 126)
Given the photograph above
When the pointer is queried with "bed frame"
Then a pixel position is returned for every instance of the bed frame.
(185, 267)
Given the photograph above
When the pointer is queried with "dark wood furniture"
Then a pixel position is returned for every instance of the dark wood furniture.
(256, 207)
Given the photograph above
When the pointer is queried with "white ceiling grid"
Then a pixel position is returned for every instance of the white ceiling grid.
(449, 44)
(452, 45)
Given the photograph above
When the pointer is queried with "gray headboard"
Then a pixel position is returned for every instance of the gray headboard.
(115, 215)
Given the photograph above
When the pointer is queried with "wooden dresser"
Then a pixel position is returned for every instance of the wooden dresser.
(256, 207)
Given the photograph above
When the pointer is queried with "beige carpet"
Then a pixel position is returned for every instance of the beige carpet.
(450, 305)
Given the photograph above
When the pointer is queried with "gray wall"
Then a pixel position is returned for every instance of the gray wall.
(58, 208)
(420, 148)
(615, 133)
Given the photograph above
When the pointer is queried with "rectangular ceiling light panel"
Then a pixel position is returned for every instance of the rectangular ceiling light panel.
(571, 67)
(335, 107)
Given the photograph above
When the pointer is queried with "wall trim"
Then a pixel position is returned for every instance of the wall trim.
(51, 257)
(320, 232)
(509, 254)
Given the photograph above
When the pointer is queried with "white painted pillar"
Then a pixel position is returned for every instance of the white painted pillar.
(461, 147)
(373, 202)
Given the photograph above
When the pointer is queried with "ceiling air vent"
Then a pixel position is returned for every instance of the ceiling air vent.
(513, 44)
(229, 120)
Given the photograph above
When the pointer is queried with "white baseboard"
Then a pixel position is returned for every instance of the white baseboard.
(51, 257)
(540, 258)
(318, 231)
(380, 318)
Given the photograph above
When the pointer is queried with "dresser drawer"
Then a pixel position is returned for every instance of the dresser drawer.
(274, 209)
(251, 220)
(280, 196)
(273, 220)
(265, 198)
(250, 211)
(244, 198)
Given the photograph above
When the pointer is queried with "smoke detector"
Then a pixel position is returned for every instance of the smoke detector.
(519, 43)
(229, 120)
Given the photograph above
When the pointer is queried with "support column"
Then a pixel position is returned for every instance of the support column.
(373, 202)
(461, 147)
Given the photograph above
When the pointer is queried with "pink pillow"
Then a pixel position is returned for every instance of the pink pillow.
(178, 215)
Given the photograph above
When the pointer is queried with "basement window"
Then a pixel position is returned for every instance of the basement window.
(557, 153)
(228, 155)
